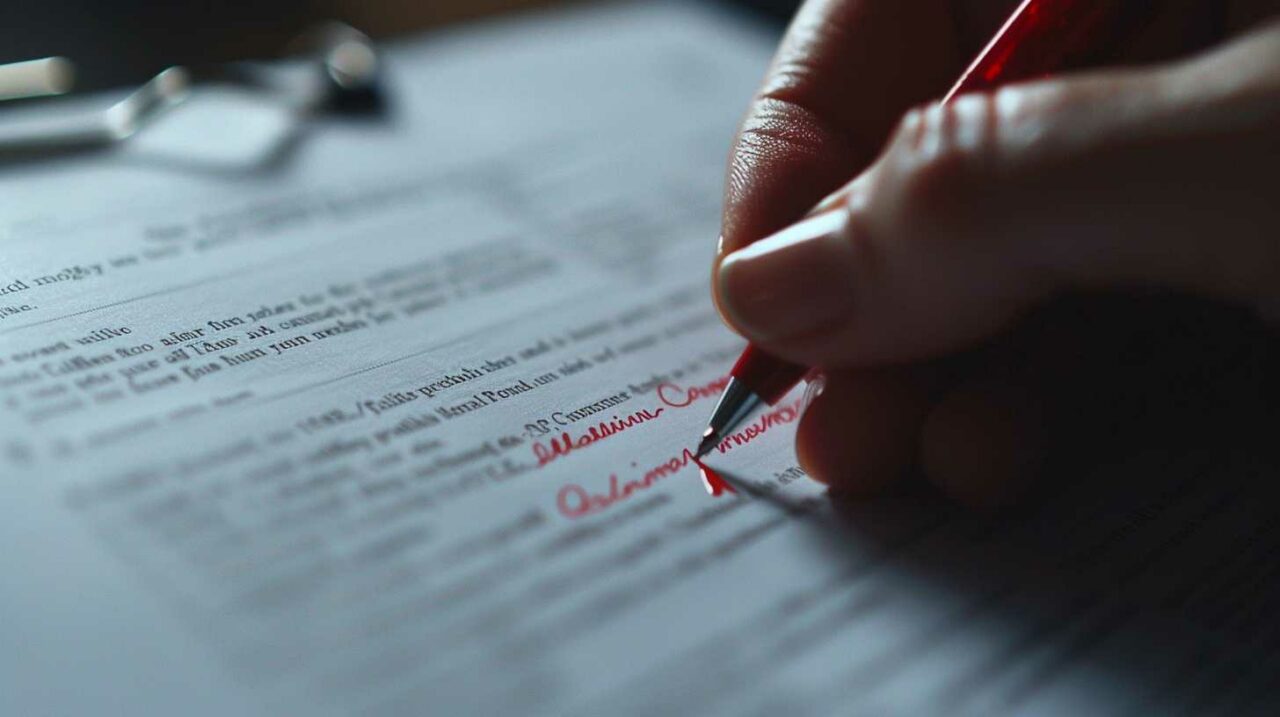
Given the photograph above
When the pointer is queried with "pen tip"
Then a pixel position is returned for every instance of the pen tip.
(709, 440)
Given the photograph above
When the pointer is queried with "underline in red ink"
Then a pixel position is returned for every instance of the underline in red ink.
(575, 501)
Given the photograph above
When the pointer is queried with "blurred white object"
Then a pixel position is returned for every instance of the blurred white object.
(36, 78)
(347, 80)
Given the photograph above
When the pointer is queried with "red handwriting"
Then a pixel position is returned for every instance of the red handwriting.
(574, 501)
(669, 394)
(780, 416)
(566, 444)
(677, 397)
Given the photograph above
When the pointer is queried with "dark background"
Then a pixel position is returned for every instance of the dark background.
(116, 42)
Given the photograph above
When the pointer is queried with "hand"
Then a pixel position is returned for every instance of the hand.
(912, 285)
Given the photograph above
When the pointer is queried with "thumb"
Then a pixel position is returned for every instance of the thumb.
(984, 207)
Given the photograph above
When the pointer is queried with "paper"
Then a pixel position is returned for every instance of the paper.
(399, 427)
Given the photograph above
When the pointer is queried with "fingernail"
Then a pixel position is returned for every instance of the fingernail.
(794, 282)
(815, 384)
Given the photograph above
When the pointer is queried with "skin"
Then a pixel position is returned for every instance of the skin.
(949, 299)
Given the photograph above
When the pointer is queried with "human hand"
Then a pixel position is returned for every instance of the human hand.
(910, 285)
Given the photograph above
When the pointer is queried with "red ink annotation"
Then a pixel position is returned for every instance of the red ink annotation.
(670, 394)
(566, 444)
(575, 501)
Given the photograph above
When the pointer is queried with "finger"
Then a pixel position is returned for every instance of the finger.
(844, 73)
(1053, 383)
(1177, 28)
(861, 433)
(1087, 380)
(987, 439)
(983, 442)
(981, 209)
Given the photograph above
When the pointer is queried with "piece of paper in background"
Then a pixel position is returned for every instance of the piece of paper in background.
(271, 441)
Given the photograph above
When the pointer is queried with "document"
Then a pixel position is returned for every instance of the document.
(398, 423)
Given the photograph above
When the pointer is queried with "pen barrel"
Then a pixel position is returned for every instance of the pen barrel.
(1047, 36)
(768, 377)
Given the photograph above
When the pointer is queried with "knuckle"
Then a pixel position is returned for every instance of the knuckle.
(1023, 116)
(907, 130)
(939, 155)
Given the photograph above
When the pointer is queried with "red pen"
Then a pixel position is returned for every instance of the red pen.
(1042, 36)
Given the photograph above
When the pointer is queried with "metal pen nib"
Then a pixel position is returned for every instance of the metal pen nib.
(709, 441)
(736, 404)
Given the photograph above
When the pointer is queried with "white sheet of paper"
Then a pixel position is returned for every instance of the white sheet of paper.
(270, 440)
